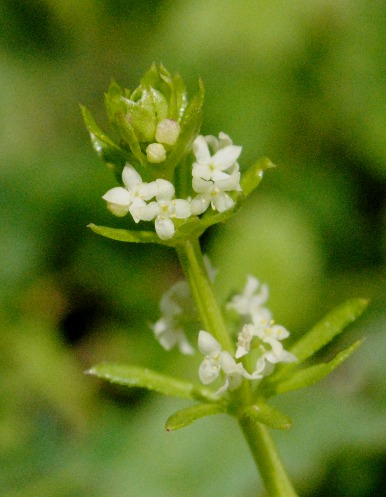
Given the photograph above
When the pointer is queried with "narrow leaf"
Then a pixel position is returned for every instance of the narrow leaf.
(268, 415)
(190, 127)
(308, 376)
(129, 136)
(185, 417)
(109, 151)
(328, 328)
(252, 177)
(321, 334)
(130, 236)
(132, 376)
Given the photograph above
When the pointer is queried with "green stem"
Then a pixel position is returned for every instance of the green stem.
(260, 442)
(267, 459)
(203, 294)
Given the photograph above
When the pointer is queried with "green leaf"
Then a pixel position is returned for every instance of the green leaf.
(252, 177)
(130, 236)
(160, 104)
(140, 118)
(308, 376)
(328, 328)
(132, 376)
(185, 417)
(181, 95)
(113, 102)
(190, 127)
(151, 78)
(321, 334)
(268, 415)
(109, 151)
(129, 136)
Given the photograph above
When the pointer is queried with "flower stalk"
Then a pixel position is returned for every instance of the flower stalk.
(211, 317)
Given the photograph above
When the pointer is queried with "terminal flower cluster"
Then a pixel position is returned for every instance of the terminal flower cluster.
(213, 176)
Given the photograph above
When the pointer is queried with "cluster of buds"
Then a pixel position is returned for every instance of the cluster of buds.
(168, 171)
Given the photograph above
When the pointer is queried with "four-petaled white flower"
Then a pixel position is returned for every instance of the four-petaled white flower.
(270, 346)
(250, 300)
(168, 329)
(214, 175)
(215, 167)
(163, 209)
(216, 361)
(214, 193)
(121, 200)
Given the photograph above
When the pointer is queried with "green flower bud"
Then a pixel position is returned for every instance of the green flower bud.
(155, 153)
(167, 132)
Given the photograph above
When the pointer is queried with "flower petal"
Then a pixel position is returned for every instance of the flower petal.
(130, 177)
(201, 150)
(208, 370)
(165, 189)
(164, 227)
(226, 157)
(207, 344)
(144, 212)
(119, 196)
(229, 183)
(202, 186)
(201, 171)
(199, 204)
(222, 202)
(147, 190)
(181, 208)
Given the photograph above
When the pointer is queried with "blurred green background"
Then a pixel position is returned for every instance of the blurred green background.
(301, 82)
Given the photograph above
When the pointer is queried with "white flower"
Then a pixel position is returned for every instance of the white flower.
(168, 329)
(270, 346)
(214, 193)
(163, 209)
(250, 301)
(216, 361)
(120, 200)
(215, 167)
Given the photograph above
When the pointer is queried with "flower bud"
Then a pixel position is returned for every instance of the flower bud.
(167, 131)
(155, 153)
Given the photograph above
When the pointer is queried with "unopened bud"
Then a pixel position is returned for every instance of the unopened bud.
(167, 131)
(155, 153)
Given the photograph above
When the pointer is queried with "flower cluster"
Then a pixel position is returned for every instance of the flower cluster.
(259, 340)
(213, 176)
(262, 335)
(169, 330)
(263, 331)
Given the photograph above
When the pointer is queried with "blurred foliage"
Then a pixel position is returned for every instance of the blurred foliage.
(302, 83)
